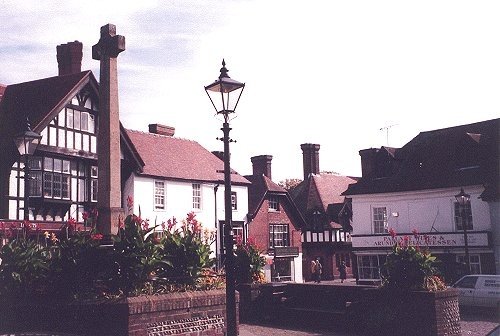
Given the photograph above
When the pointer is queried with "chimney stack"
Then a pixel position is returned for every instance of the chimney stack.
(368, 162)
(69, 58)
(162, 129)
(219, 154)
(310, 154)
(262, 165)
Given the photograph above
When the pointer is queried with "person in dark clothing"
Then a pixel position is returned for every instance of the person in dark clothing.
(342, 271)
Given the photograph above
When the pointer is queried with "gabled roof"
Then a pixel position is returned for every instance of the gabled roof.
(320, 190)
(258, 191)
(179, 159)
(40, 100)
(450, 157)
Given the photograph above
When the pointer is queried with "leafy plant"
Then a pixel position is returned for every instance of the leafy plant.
(186, 250)
(24, 268)
(249, 263)
(409, 266)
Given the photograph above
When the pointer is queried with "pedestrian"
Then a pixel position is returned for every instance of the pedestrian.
(316, 270)
(342, 271)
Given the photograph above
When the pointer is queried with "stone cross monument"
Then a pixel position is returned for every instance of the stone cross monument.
(108, 143)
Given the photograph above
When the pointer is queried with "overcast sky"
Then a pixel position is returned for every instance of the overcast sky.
(334, 73)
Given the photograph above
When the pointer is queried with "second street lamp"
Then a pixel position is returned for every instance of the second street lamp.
(463, 200)
(224, 95)
(26, 143)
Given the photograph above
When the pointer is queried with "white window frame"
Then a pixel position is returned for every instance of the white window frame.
(279, 238)
(380, 221)
(474, 261)
(458, 216)
(234, 200)
(372, 269)
(196, 196)
(94, 170)
(160, 197)
(273, 203)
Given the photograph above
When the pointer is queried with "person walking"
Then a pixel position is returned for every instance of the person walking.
(343, 271)
(316, 270)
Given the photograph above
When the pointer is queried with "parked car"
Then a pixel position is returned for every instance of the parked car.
(479, 290)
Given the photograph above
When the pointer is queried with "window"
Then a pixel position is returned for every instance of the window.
(369, 266)
(380, 224)
(278, 235)
(93, 183)
(238, 233)
(474, 261)
(459, 219)
(234, 200)
(282, 269)
(159, 195)
(56, 178)
(467, 282)
(196, 196)
(273, 203)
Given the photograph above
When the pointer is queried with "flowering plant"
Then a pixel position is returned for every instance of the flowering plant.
(410, 266)
(249, 262)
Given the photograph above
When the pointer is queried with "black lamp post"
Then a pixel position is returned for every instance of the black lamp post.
(224, 95)
(463, 199)
(26, 143)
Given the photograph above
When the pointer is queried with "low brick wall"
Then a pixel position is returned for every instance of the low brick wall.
(190, 313)
(410, 313)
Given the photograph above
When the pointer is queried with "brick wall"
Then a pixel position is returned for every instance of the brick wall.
(192, 313)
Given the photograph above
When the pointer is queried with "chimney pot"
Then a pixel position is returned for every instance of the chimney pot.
(262, 165)
(162, 129)
(69, 58)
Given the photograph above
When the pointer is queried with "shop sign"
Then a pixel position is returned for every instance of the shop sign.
(431, 240)
(284, 251)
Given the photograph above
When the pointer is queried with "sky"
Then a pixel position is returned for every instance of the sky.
(347, 75)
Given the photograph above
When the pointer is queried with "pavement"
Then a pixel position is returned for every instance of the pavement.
(473, 322)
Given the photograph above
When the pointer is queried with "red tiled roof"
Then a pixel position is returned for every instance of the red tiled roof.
(2, 90)
(174, 158)
(260, 187)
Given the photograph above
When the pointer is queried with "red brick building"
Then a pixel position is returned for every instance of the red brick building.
(327, 213)
(274, 223)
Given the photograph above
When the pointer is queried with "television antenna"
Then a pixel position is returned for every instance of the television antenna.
(386, 129)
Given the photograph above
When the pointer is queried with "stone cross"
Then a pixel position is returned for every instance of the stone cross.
(108, 146)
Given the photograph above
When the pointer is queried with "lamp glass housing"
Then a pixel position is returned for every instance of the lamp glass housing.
(27, 142)
(462, 198)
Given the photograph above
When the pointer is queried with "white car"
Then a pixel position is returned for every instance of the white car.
(479, 290)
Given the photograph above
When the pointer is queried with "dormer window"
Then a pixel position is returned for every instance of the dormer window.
(273, 203)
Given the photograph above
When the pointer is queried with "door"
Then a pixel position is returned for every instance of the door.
(466, 287)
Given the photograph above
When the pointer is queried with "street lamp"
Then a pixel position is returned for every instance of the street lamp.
(224, 95)
(463, 199)
(26, 143)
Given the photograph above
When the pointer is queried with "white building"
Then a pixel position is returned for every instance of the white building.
(414, 188)
(180, 176)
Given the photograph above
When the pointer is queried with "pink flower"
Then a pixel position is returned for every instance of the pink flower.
(415, 233)
(130, 202)
(85, 215)
(96, 236)
(392, 232)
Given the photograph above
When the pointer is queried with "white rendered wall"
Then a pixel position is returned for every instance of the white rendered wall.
(421, 210)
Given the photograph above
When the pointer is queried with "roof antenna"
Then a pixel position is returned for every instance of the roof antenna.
(386, 129)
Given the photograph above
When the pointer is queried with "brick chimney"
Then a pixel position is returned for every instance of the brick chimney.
(262, 165)
(219, 154)
(368, 162)
(162, 129)
(69, 58)
(310, 154)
